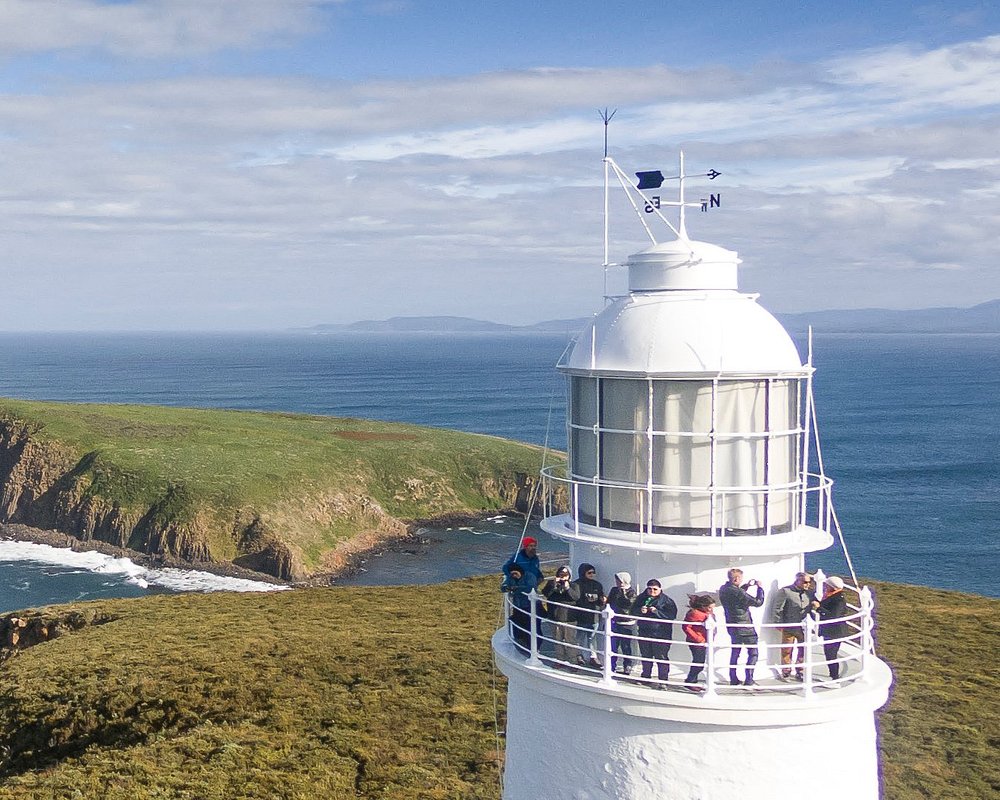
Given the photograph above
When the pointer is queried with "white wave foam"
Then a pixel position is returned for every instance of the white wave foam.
(177, 580)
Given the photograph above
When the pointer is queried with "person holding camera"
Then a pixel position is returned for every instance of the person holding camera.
(588, 615)
(736, 602)
(561, 596)
(656, 613)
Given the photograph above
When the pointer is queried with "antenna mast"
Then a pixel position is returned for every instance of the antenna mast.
(607, 118)
(681, 176)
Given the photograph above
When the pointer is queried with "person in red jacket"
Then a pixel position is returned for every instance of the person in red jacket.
(701, 608)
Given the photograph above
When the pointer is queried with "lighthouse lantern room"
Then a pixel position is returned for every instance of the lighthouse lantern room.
(691, 431)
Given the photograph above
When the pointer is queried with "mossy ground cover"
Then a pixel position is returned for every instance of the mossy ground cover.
(388, 693)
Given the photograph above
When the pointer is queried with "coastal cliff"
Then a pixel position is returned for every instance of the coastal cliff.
(287, 495)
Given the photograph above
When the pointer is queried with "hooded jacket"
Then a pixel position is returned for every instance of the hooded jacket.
(565, 594)
(519, 588)
(620, 598)
(591, 598)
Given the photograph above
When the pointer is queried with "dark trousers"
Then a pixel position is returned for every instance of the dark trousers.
(520, 625)
(698, 653)
(655, 650)
(830, 652)
(621, 643)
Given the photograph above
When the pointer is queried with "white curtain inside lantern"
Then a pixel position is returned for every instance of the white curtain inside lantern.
(661, 468)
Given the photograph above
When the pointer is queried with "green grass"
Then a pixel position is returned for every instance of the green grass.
(297, 473)
(366, 693)
(940, 734)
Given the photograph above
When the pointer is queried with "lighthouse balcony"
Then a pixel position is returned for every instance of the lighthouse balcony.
(804, 667)
(750, 518)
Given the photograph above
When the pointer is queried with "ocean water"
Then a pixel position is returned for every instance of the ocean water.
(907, 424)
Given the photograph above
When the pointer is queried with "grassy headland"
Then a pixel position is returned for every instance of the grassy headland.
(389, 693)
(284, 492)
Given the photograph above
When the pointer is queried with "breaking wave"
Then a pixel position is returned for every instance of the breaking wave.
(169, 578)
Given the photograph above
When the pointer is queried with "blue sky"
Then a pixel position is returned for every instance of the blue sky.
(239, 164)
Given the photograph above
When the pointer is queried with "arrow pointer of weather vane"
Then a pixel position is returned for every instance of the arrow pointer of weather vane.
(653, 179)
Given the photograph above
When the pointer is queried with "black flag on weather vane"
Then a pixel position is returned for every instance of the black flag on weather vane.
(652, 179)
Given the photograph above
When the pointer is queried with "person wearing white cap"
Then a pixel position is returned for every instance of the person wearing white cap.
(623, 627)
(833, 628)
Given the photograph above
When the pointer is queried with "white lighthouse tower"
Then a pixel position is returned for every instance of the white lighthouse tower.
(691, 433)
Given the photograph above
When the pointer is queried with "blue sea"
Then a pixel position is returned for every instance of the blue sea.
(908, 424)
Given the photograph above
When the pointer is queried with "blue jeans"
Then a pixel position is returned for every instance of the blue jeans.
(586, 640)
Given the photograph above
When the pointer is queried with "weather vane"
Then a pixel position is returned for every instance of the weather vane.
(645, 203)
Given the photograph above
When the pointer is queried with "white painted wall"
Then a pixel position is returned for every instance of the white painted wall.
(559, 750)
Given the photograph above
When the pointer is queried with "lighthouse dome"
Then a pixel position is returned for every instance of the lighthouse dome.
(682, 264)
(684, 332)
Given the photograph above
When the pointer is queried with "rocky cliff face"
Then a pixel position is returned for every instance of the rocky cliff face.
(46, 485)
(27, 628)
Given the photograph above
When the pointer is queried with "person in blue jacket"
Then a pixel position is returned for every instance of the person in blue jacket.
(527, 559)
(518, 587)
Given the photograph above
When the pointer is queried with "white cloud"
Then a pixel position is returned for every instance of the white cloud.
(242, 202)
(150, 28)
(962, 76)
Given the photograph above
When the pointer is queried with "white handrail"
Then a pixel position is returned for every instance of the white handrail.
(855, 648)
(646, 494)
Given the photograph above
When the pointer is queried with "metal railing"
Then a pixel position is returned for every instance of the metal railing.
(636, 507)
(545, 642)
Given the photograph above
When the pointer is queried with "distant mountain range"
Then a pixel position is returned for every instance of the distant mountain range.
(983, 318)
(450, 325)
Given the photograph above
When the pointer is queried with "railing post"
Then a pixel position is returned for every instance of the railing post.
(650, 498)
(808, 645)
(711, 626)
(642, 515)
(576, 508)
(829, 510)
(607, 615)
(533, 659)
(867, 625)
